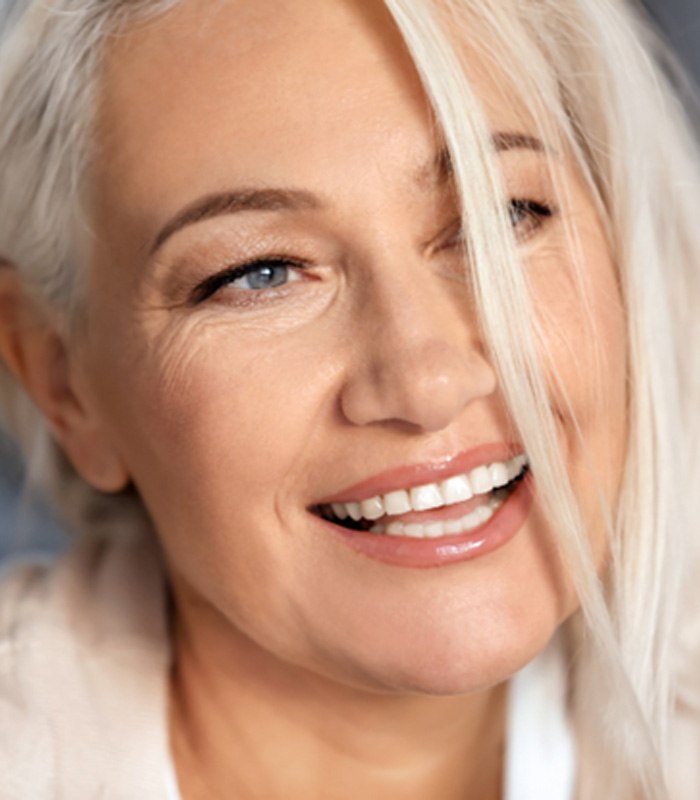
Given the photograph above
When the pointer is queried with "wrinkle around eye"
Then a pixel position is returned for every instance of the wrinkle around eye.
(227, 320)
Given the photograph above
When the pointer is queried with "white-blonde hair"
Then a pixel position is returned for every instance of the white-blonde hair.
(594, 77)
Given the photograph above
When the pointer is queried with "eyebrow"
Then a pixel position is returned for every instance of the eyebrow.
(216, 205)
(440, 170)
(231, 202)
(518, 141)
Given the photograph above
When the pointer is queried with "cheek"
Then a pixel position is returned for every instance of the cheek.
(219, 431)
(583, 341)
(209, 406)
(582, 334)
(581, 323)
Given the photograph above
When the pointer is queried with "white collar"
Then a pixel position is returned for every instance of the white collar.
(540, 752)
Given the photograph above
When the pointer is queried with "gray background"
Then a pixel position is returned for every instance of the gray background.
(680, 19)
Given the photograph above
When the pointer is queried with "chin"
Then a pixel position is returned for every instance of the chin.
(453, 665)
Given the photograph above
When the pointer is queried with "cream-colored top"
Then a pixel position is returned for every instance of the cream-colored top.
(84, 658)
(83, 666)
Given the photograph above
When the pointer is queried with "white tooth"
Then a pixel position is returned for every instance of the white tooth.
(456, 489)
(413, 529)
(426, 497)
(395, 528)
(499, 474)
(339, 510)
(478, 517)
(512, 468)
(373, 508)
(453, 526)
(485, 513)
(397, 502)
(354, 511)
(470, 522)
(521, 461)
(480, 479)
(377, 529)
(434, 529)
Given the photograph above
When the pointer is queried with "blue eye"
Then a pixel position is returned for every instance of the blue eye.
(262, 276)
(256, 276)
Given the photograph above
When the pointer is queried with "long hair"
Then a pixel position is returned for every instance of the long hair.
(595, 79)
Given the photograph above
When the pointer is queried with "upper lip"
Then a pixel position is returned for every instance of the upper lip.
(410, 475)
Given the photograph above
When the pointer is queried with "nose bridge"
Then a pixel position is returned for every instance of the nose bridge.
(420, 362)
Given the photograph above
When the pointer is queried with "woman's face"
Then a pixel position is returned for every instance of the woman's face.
(349, 367)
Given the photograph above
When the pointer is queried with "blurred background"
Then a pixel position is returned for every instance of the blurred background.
(25, 522)
(680, 21)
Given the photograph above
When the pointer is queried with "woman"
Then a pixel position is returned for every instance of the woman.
(365, 332)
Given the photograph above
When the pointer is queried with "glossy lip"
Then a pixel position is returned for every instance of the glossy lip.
(410, 552)
(406, 477)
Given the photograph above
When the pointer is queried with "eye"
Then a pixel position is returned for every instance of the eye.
(255, 276)
(527, 216)
(262, 276)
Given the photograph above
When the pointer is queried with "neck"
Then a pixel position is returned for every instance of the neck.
(246, 724)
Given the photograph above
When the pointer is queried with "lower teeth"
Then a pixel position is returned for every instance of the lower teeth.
(432, 530)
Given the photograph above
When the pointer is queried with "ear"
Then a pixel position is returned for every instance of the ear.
(34, 351)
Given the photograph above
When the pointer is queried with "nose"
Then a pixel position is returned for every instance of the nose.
(417, 356)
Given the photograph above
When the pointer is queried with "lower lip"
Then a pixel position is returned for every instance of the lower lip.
(407, 551)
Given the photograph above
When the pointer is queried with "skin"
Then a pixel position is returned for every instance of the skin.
(302, 668)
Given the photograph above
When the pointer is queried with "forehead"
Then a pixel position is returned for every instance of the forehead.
(216, 94)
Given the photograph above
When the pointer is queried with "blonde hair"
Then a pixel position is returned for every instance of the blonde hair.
(590, 76)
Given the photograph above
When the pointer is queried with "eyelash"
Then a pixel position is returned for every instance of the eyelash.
(536, 213)
(220, 280)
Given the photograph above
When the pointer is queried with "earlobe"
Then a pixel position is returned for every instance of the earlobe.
(36, 354)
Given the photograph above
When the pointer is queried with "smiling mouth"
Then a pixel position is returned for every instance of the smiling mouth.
(457, 505)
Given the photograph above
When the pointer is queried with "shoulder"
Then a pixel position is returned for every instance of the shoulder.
(21, 590)
(83, 664)
(105, 590)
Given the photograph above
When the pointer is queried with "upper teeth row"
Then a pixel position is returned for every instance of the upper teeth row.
(456, 489)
